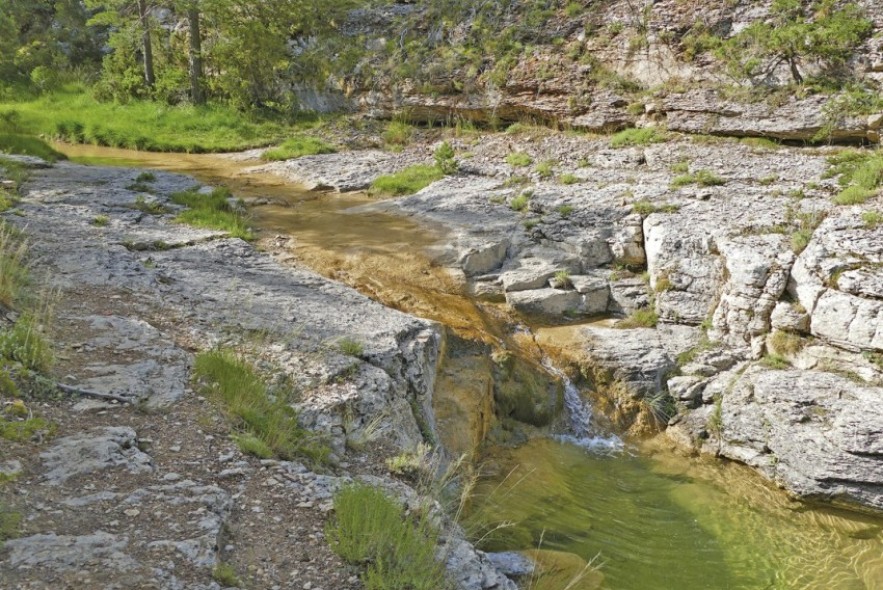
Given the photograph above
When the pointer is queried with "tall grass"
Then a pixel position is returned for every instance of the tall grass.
(14, 143)
(861, 175)
(213, 211)
(72, 114)
(13, 273)
(267, 424)
(399, 551)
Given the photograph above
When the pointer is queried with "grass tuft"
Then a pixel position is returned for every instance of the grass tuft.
(267, 423)
(297, 147)
(225, 575)
(351, 347)
(213, 211)
(638, 137)
(398, 551)
(645, 317)
(700, 177)
(406, 182)
(519, 160)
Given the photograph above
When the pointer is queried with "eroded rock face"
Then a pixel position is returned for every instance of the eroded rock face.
(819, 434)
(100, 449)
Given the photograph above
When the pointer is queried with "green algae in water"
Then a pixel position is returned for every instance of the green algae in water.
(671, 523)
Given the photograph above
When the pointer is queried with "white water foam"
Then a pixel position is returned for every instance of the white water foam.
(580, 413)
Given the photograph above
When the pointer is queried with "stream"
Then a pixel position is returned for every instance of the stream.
(646, 517)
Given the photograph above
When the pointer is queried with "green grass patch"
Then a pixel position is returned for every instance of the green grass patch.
(13, 272)
(645, 317)
(872, 219)
(774, 361)
(398, 133)
(545, 169)
(297, 147)
(568, 179)
(406, 182)
(700, 177)
(26, 145)
(519, 159)
(371, 529)
(24, 343)
(73, 115)
(520, 202)
(213, 211)
(351, 347)
(267, 424)
(225, 575)
(638, 137)
(860, 174)
(565, 210)
(854, 195)
(23, 430)
(10, 523)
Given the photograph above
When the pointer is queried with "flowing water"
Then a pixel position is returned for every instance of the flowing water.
(652, 519)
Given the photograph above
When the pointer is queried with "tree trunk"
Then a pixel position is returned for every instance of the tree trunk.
(795, 73)
(196, 94)
(149, 77)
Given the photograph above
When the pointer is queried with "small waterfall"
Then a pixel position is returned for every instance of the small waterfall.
(580, 413)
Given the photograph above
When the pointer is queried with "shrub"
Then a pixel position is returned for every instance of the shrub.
(398, 133)
(371, 529)
(268, 425)
(297, 147)
(406, 182)
(212, 211)
(445, 159)
(519, 159)
(637, 137)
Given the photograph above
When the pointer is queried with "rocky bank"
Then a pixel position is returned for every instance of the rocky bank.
(148, 490)
(758, 300)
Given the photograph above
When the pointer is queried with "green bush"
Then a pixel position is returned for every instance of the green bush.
(645, 317)
(267, 423)
(637, 137)
(872, 219)
(700, 177)
(445, 159)
(398, 133)
(212, 211)
(406, 182)
(298, 147)
(371, 529)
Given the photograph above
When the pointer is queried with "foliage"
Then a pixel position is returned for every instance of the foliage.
(637, 137)
(774, 361)
(520, 202)
(297, 147)
(872, 219)
(519, 159)
(213, 211)
(821, 33)
(700, 177)
(13, 272)
(10, 521)
(27, 145)
(568, 179)
(407, 181)
(565, 210)
(398, 550)
(561, 280)
(398, 133)
(72, 114)
(860, 173)
(351, 347)
(267, 423)
(644, 317)
(444, 159)
(225, 575)
(545, 169)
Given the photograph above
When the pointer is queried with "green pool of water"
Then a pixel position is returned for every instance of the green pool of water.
(660, 521)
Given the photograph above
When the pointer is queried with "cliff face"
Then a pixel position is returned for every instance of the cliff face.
(606, 65)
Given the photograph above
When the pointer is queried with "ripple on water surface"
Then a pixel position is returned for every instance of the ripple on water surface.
(665, 522)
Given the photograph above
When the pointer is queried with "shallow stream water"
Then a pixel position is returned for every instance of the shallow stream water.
(646, 516)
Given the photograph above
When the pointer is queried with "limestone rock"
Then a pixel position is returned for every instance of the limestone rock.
(545, 301)
(101, 448)
(819, 434)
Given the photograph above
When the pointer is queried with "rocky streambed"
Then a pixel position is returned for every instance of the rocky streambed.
(754, 350)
